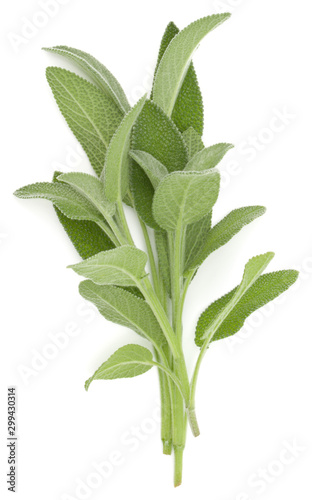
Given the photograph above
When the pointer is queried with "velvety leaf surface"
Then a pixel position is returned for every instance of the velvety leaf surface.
(208, 157)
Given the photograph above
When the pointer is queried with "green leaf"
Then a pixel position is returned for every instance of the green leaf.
(92, 189)
(143, 192)
(86, 236)
(222, 232)
(266, 288)
(97, 72)
(188, 109)
(123, 266)
(128, 361)
(152, 167)
(115, 174)
(185, 197)
(122, 307)
(177, 58)
(208, 157)
(69, 201)
(253, 269)
(193, 142)
(161, 240)
(195, 237)
(91, 115)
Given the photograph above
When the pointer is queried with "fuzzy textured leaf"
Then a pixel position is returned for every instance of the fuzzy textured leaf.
(128, 361)
(115, 174)
(91, 115)
(266, 288)
(177, 58)
(193, 142)
(195, 237)
(152, 167)
(224, 231)
(161, 240)
(97, 72)
(185, 197)
(120, 306)
(208, 157)
(122, 266)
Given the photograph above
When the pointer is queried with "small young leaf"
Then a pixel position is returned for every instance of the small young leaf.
(123, 266)
(266, 288)
(185, 197)
(91, 188)
(71, 203)
(208, 157)
(122, 307)
(161, 240)
(128, 361)
(115, 174)
(152, 167)
(97, 72)
(253, 269)
(195, 237)
(222, 232)
(177, 58)
(91, 115)
(86, 236)
(193, 142)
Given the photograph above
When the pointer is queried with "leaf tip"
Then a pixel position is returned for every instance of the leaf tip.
(87, 383)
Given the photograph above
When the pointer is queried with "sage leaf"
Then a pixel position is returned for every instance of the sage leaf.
(152, 167)
(195, 237)
(162, 246)
(91, 115)
(86, 236)
(97, 72)
(116, 169)
(142, 191)
(222, 232)
(253, 269)
(177, 58)
(193, 142)
(266, 288)
(128, 361)
(185, 197)
(208, 157)
(122, 266)
(188, 110)
(120, 306)
(92, 189)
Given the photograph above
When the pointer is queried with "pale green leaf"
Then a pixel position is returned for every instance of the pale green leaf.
(185, 197)
(97, 72)
(208, 157)
(122, 266)
(195, 237)
(92, 188)
(152, 167)
(193, 142)
(128, 361)
(91, 115)
(222, 232)
(253, 269)
(266, 288)
(115, 174)
(177, 58)
(120, 306)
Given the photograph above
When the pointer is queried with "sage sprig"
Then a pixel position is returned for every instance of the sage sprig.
(152, 158)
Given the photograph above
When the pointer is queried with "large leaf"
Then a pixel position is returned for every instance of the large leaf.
(86, 236)
(115, 174)
(161, 240)
(177, 58)
(71, 203)
(128, 361)
(91, 188)
(195, 237)
(205, 330)
(185, 197)
(91, 115)
(97, 72)
(208, 157)
(266, 288)
(124, 308)
(154, 170)
(123, 266)
(193, 142)
(222, 232)
(188, 109)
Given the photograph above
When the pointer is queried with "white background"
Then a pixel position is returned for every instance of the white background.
(254, 395)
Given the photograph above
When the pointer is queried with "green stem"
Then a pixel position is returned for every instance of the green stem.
(165, 399)
(109, 233)
(151, 259)
(121, 213)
